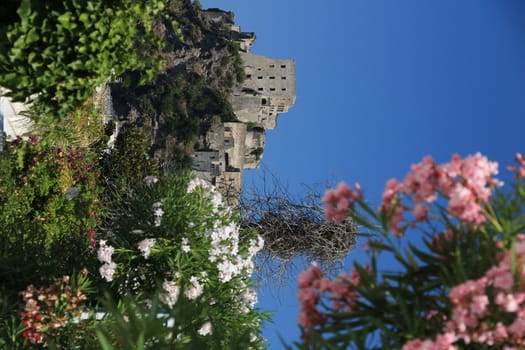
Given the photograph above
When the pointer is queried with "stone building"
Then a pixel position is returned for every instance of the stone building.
(268, 90)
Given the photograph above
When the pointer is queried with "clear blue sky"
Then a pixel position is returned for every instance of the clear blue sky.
(380, 84)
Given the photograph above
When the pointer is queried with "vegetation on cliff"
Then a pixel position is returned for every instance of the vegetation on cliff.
(88, 221)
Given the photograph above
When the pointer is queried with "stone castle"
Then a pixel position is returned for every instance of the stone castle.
(229, 148)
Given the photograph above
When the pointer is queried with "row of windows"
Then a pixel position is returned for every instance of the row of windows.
(273, 66)
(261, 77)
(271, 89)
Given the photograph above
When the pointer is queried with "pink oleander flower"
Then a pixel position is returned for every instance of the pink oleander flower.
(420, 212)
(313, 287)
(390, 194)
(463, 205)
(391, 205)
(422, 181)
(468, 183)
(338, 201)
(472, 319)
(442, 342)
(520, 169)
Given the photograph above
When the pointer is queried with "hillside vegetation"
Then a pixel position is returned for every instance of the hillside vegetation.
(99, 222)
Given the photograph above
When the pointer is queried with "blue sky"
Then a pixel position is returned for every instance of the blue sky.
(380, 84)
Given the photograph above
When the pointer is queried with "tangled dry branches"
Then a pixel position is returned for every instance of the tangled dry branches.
(296, 227)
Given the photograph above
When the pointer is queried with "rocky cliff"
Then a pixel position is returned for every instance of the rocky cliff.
(191, 94)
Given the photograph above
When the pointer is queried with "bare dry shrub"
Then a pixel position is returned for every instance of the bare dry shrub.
(294, 229)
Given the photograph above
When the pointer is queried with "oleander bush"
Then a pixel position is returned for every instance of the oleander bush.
(168, 252)
(446, 268)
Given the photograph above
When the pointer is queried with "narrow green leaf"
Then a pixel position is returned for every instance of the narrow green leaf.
(104, 341)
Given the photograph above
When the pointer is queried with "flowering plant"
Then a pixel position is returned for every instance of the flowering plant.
(458, 284)
(49, 212)
(173, 240)
(161, 245)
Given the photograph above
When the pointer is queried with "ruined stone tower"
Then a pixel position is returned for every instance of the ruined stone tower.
(269, 89)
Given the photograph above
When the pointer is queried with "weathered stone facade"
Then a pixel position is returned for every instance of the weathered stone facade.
(228, 149)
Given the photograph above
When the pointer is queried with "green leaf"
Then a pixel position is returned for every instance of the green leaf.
(32, 36)
(412, 261)
(65, 20)
(105, 343)
(23, 11)
(84, 18)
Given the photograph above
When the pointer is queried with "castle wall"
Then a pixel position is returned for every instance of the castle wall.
(269, 89)
(237, 132)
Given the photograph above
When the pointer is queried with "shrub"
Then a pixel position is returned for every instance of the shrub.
(460, 288)
(48, 213)
(57, 52)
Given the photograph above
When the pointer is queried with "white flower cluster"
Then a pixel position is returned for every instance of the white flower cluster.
(145, 246)
(255, 245)
(186, 245)
(108, 268)
(248, 300)
(195, 289)
(224, 247)
(171, 295)
(196, 183)
(157, 213)
(209, 192)
(206, 329)
(151, 180)
(226, 251)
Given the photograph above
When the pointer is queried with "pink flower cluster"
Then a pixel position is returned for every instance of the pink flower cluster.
(466, 183)
(442, 342)
(312, 286)
(338, 201)
(477, 305)
(520, 170)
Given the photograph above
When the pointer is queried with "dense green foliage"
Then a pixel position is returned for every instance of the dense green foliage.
(60, 209)
(173, 112)
(49, 201)
(90, 220)
(58, 51)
